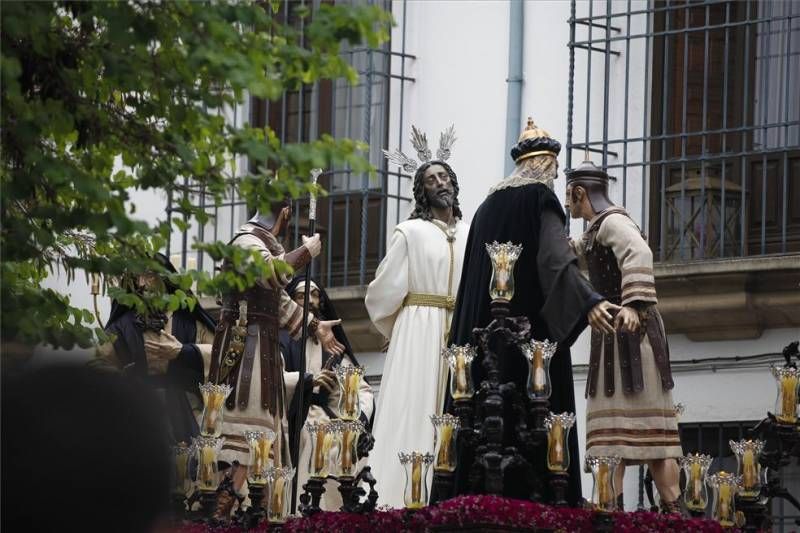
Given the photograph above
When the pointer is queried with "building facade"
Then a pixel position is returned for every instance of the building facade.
(693, 108)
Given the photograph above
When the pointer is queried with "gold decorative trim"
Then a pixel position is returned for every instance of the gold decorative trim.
(430, 300)
(532, 154)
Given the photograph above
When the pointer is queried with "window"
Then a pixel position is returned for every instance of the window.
(352, 219)
(694, 107)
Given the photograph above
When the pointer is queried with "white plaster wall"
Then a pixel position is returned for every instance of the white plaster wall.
(475, 99)
(462, 50)
(460, 72)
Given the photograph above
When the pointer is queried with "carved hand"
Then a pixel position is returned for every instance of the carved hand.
(627, 320)
(600, 317)
(163, 346)
(326, 380)
(313, 244)
(326, 337)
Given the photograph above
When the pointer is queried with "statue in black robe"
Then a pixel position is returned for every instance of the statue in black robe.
(550, 291)
(291, 349)
(322, 393)
(176, 378)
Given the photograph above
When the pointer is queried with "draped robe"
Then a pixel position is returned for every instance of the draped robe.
(420, 260)
(550, 292)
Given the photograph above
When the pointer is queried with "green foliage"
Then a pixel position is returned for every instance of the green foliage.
(102, 98)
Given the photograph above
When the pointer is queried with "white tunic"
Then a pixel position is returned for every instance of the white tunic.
(331, 499)
(420, 260)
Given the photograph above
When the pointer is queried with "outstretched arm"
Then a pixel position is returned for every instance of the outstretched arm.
(569, 297)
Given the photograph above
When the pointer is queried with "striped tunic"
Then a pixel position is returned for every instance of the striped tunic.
(254, 417)
(641, 426)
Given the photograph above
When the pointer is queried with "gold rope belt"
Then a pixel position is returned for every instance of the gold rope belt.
(430, 300)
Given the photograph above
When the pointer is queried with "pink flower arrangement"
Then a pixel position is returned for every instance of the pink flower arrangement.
(479, 513)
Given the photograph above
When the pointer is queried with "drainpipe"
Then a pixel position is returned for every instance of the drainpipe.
(516, 23)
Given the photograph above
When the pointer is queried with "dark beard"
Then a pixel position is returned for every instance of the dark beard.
(434, 200)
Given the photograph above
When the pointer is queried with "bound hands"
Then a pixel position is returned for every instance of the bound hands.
(627, 320)
(326, 380)
(162, 346)
(601, 317)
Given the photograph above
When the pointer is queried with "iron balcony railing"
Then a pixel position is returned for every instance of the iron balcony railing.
(353, 218)
(693, 108)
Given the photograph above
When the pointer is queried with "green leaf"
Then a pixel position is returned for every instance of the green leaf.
(103, 100)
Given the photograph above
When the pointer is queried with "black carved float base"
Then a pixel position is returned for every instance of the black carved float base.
(351, 495)
(695, 513)
(208, 502)
(257, 497)
(312, 495)
(442, 486)
(255, 513)
(178, 506)
(500, 308)
(559, 481)
(603, 522)
(755, 512)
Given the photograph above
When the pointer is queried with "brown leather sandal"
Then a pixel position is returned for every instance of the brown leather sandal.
(673, 507)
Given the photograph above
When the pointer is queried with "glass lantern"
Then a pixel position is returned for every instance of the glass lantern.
(214, 396)
(787, 379)
(701, 211)
(416, 465)
(459, 358)
(322, 438)
(558, 427)
(349, 378)
(181, 455)
(695, 467)
(444, 448)
(748, 453)
(604, 494)
(260, 444)
(503, 256)
(207, 450)
(279, 493)
(725, 487)
(539, 354)
(347, 432)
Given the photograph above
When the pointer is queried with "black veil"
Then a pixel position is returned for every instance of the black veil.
(328, 312)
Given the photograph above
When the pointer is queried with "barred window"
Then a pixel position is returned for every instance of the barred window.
(352, 219)
(694, 108)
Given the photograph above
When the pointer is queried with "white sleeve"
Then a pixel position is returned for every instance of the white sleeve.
(634, 258)
(387, 291)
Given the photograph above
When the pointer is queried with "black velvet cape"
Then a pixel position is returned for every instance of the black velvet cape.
(291, 349)
(184, 373)
(550, 292)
